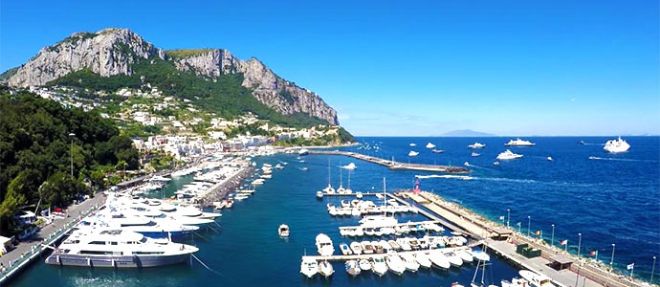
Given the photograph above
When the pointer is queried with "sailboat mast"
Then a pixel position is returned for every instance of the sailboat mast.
(329, 182)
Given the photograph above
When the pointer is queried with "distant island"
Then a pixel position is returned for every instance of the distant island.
(466, 133)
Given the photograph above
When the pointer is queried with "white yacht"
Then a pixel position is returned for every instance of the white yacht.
(477, 145)
(352, 267)
(423, 260)
(616, 146)
(395, 264)
(410, 262)
(309, 267)
(474, 154)
(413, 144)
(430, 146)
(519, 142)
(507, 155)
(356, 247)
(325, 269)
(373, 221)
(119, 249)
(536, 280)
(283, 230)
(413, 153)
(379, 266)
(439, 260)
(324, 245)
(364, 264)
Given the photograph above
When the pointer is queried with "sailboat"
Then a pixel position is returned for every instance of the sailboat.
(341, 189)
(481, 263)
(329, 189)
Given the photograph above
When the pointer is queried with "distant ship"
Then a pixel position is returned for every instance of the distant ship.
(437, 150)
(616, 146)
(519, 142)
(430, 146)
(506, 155)
(477, 145)
(413, 153)
(413, 144)
(474, 154)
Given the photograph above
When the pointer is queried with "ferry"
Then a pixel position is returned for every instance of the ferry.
(519, 142)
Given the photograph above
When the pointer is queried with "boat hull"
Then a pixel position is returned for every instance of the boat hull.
(137, 261)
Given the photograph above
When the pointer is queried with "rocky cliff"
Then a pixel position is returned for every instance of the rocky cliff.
(114, 51)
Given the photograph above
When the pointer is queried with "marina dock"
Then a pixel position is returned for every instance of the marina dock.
(391, 164)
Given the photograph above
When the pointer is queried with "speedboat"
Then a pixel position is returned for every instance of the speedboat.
(413, 153)
(536, 280)
(439, 260)
(283, 230)
(345, 249)
(373, 221)
(454, 259)
(118, 248)
(410, 262)
(438, 150)
(364, 264)
(465, 256)
(430, 146)
(413, 144)
(508, 155)
(319, 194)
(515, 282)
(325, 269)
(379, 266)
(395, 264)
(352, 267)
(324, 245)
(477, 145)
(474, 154)
(356, 247)
(519, 142)
(549, 158)
(423, 260)
(309, 267)
(616, 146)
(480, 255)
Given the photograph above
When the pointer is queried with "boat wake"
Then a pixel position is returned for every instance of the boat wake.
(620, 159)
(465, 177)
(447, 176)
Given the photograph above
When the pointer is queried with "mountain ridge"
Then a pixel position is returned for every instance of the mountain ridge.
(116, 52)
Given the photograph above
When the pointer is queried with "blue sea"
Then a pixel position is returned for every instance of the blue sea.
(607, 198)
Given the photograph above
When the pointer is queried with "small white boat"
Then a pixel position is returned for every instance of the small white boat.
(549, 158)
(325, 269)
(616, 146)
(519, 142)
(413, 153)
(352, 267)
(477, 145)
(356, 247)
(508, 155)
(309, 267)
(465, 256)
(358, 195)
(410, 262)
(474, 154)
(303, 151)
(345, 249)
(319, 194)
(438, 150)
(454, 259)
(423, 260)
(439, 260)
(364, 264)
(536, 280)
(395, 264)
(283, 230)
(324, 245)
(413, 144)
(480, 255)
(430, 146)
(378, 266)
(350, 166)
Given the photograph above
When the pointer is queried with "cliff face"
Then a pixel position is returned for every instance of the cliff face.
(107, 52)
(114, 51)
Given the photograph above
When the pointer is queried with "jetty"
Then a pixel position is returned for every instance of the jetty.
(394, 165)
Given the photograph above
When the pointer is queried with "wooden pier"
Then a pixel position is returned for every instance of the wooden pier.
(396, 165)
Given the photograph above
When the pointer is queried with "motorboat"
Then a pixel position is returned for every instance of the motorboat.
(474, 154)
(413, 153)
(616, 146)
(364, 264)
(319, 194)
(325, 269)
(508, 155)
(283, 230)
(118, 248)
(549, 158)
(303, 151)
(356, 247)
(373, 221)
(430, 146)
(423, 260)
(519, 142)
(465, 256)
(476, 145)
(367, 247)
(437, 150)
(352, 267)
(515, 282)
(480, 255)
(439, 260)
(454, 259)
(413, 144)
(350, 166)
(358, 195)
(309, 267)
(410, 262)
(324, 245)
(536, 280)
(395, 264)
(345, 249)
(379, 266)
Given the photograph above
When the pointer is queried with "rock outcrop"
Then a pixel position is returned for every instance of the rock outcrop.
(113, 52)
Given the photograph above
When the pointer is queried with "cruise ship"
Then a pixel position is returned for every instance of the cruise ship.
(118, 249)
(519, 142)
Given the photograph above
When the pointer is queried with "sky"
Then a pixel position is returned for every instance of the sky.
(408, 68)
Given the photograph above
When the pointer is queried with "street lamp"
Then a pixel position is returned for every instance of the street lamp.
(612, 259)
(552, 241)
(508, 217)
(653, 270)
(519, 225)
(71, 135)
(579, 243)
(529, 224)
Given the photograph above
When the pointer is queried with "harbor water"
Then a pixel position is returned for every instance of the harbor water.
(608, 199)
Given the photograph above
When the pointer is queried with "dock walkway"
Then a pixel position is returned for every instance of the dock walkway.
(395, 165)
